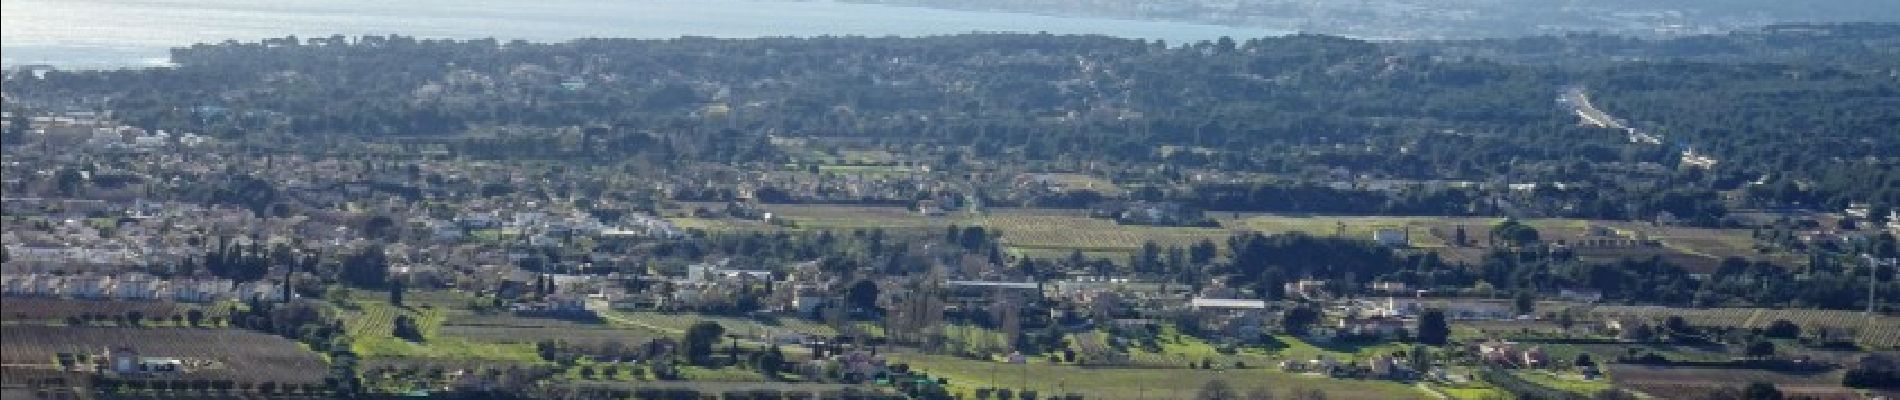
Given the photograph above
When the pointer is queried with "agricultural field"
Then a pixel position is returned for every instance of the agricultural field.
(1875, 331)
(1668, 382)
(721, 387)
(211, 354)
(371, 325)
(1072, 230)
(455, 333)
(1050, 233)
(1180, 351)
(675, 324)
(1137, 383)
(50, 310)
(576, 334)
(1473, 393)
(1568, 382)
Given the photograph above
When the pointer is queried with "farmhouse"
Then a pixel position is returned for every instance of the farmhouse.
(1456, 308)
(1580, 295)
(1388, 287)
(1307, 288)
(1234, 319)
(125, 360)
(1381, 327)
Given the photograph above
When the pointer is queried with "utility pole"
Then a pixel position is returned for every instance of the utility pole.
(1873, 278)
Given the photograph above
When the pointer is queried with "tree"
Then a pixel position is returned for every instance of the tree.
(700, 339)
(1298, 319)
(863, 295)
(1421, 358)
(1761, 391)
(1306, 394)
(1583, 360)
(1761, 349)
(368, 268)
(1259, 393)
(1217, 390)
(1202, 252)
(405, 327)
(1612, 394)
(395, 292)
(1514, 233)
(1459, 237)
(1433, 329)
(1524, 303)
(1873, 371)
(1677, 326)
(380, 227)
(770, 362)
(1782, 329)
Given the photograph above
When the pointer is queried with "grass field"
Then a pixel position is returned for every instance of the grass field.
(1474, 393)
(371, 325)
(677, 324)
(1572, 383)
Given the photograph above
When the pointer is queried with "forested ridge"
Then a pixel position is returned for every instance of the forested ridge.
(1806, 111)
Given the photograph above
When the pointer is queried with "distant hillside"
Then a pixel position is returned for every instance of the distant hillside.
(1811, 108)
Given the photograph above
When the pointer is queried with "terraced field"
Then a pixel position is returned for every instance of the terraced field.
(33, 309)
(212, 354)
(372, 325)
(1878, 331)
(1668, 382)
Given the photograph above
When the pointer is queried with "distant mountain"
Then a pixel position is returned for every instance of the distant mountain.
(1450, 19)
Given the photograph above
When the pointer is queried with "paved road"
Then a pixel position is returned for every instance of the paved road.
(1579, 101)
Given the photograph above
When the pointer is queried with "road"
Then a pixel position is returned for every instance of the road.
(1579, 102)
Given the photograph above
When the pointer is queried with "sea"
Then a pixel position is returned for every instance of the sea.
(107, 34)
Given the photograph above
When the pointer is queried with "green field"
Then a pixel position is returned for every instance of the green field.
(1475, 393)
(372, 320)
(1564, 381)
(677, 323)
(372, 323)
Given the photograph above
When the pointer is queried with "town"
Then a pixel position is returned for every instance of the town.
(594, 260)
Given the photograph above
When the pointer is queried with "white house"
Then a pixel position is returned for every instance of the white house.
(1580, 295)
(1459, 309)
(133, 289)
(90, 287)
